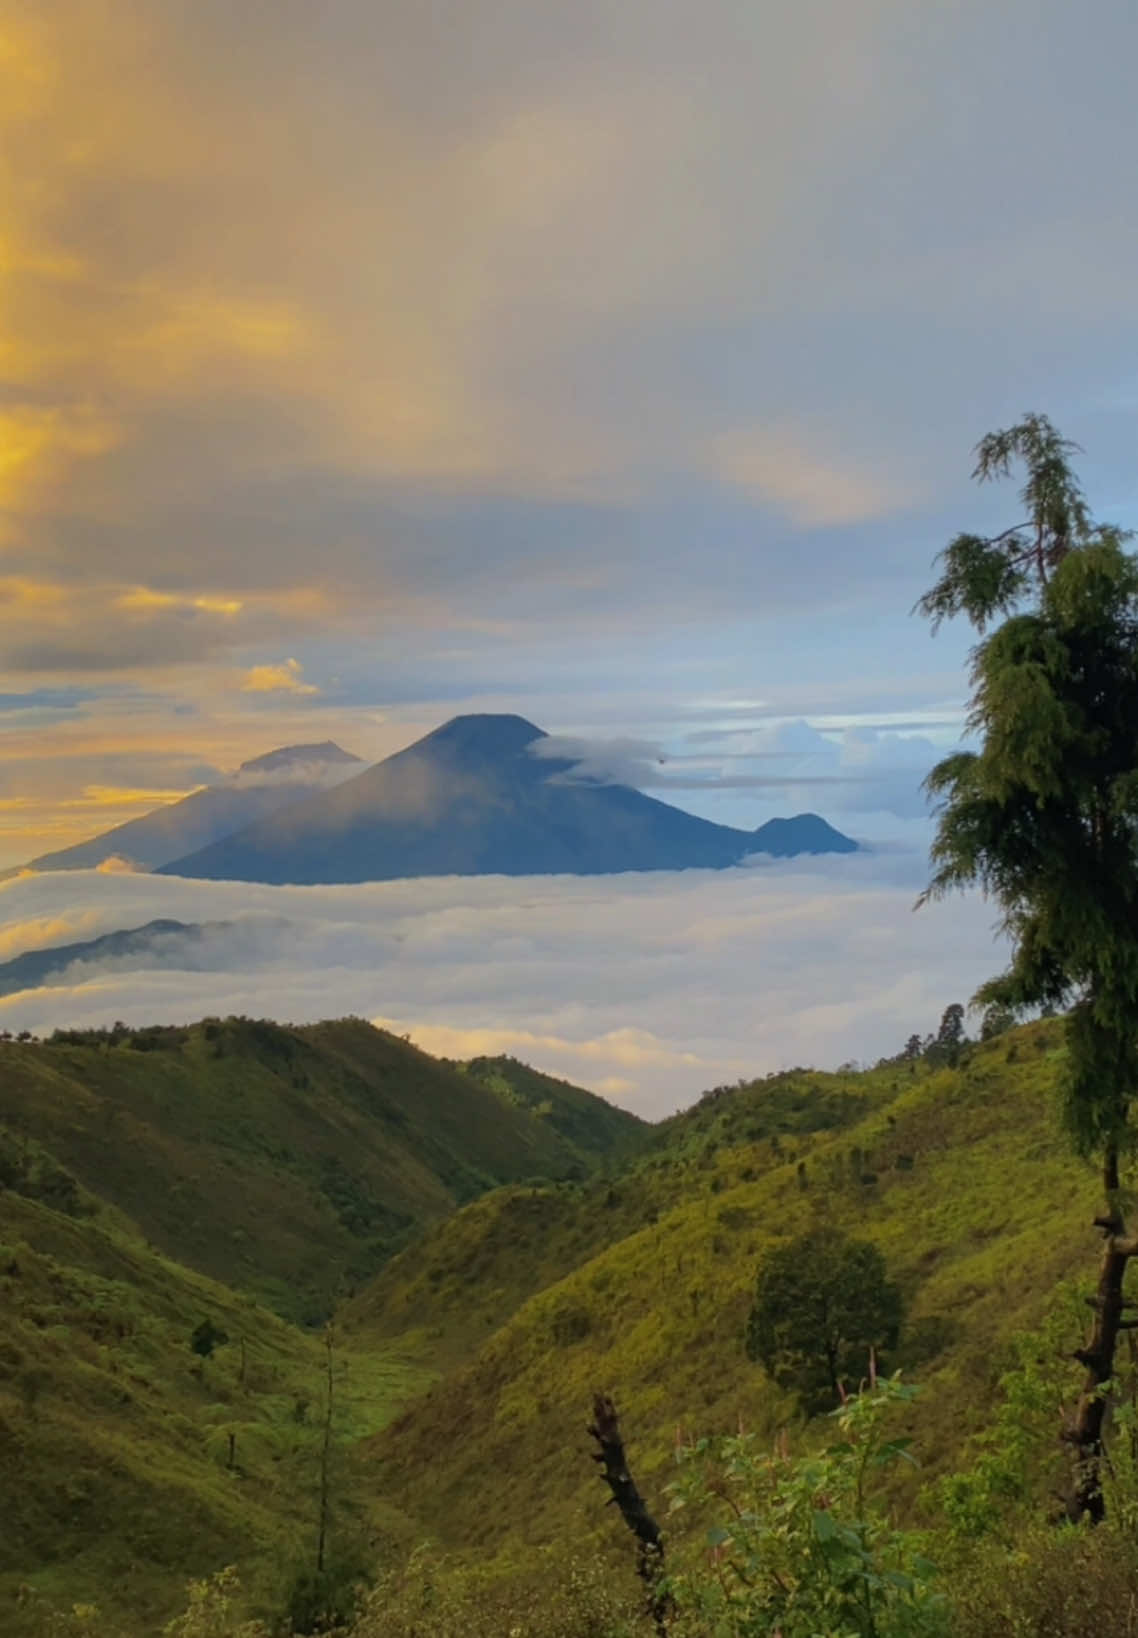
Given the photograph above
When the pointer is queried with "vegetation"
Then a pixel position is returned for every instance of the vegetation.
(596, 1130)
(823, 1306)
(288, 1162)
(157, 1422)
(1044, 816)
(956, 1187)
(801, 1545)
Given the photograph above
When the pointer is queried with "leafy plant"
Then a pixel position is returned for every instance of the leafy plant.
(800, 1547)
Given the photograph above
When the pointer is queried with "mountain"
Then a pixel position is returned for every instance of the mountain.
(160, 943)
(260, 787)
(472, 798)
(275, 1159)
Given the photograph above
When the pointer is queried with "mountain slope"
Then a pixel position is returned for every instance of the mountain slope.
(130, 1463)
(960, 1179)
(160, 943)
(597, 1130)
(468, 1273)
(472, 798)
(261, 786)
(282, 1161)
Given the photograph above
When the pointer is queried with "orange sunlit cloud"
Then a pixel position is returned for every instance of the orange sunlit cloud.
(285, 678)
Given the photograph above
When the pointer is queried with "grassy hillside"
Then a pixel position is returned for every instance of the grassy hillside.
(468, 1363)
(957, 1175)
(115, 1455)
(596, 1130)
(468, 1273)
(287, 1162)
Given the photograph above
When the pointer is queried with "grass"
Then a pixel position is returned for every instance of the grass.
(957, 1175)
(288, 1162)
(465, 1367)
(115, 1437)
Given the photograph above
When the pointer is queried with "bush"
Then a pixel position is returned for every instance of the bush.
(800, 1548)
(323, 1600)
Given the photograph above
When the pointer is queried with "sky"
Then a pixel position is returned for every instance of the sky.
(618, 364)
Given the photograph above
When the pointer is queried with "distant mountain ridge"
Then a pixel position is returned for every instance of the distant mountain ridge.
(471, 799)
(162, 942)
(259, 787)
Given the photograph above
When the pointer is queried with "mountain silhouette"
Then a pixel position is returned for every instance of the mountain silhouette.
(473, 799)
(259, 787)
(160, 943)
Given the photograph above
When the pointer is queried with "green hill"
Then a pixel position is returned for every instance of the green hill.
(469, 1360)
(469, 1272)
(597, 1131)
(286, 1162)
(119, 1481)
(957, 1175)
(152, 1181)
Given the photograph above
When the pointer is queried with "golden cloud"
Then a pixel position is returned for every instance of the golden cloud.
(144, 600)
(95, 797)
(285, 678)
(37, 445)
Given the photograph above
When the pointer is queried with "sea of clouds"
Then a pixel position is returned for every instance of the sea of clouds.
(648, 988)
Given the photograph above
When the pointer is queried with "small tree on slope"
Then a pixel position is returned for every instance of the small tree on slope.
(1044, 817)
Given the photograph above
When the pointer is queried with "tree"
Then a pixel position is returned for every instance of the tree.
(1043, 816)
(945, 1047)
(206, 1337)
(822, 1303)
(997, 1020)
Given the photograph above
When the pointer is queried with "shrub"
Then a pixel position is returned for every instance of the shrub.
(799, 1548)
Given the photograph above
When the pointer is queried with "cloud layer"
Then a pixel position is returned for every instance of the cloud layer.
(649, 988)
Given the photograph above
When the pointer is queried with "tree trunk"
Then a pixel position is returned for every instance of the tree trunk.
(1086, 1433)
(610, 1456)
(326, 1449)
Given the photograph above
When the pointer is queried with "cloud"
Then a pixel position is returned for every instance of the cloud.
(855, 769)
(285, 678)
(602, 762)
(784, 465)
(654, 986)
(678, 259)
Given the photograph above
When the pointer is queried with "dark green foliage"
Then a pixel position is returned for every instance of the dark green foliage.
(26, 1170)
(597, 1130)
(997, 1020)
(985, 577)
(206, 1337)
(1044, 817)
(823, 1303)
(286, 1161)
(323, 1600)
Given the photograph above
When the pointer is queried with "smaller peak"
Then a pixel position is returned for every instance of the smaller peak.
(287, 755)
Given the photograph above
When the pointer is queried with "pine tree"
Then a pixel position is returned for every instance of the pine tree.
(1043, 816)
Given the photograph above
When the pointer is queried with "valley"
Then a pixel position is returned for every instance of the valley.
(483, 1246)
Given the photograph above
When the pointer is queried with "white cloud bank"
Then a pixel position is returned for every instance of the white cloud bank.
(647, 987)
